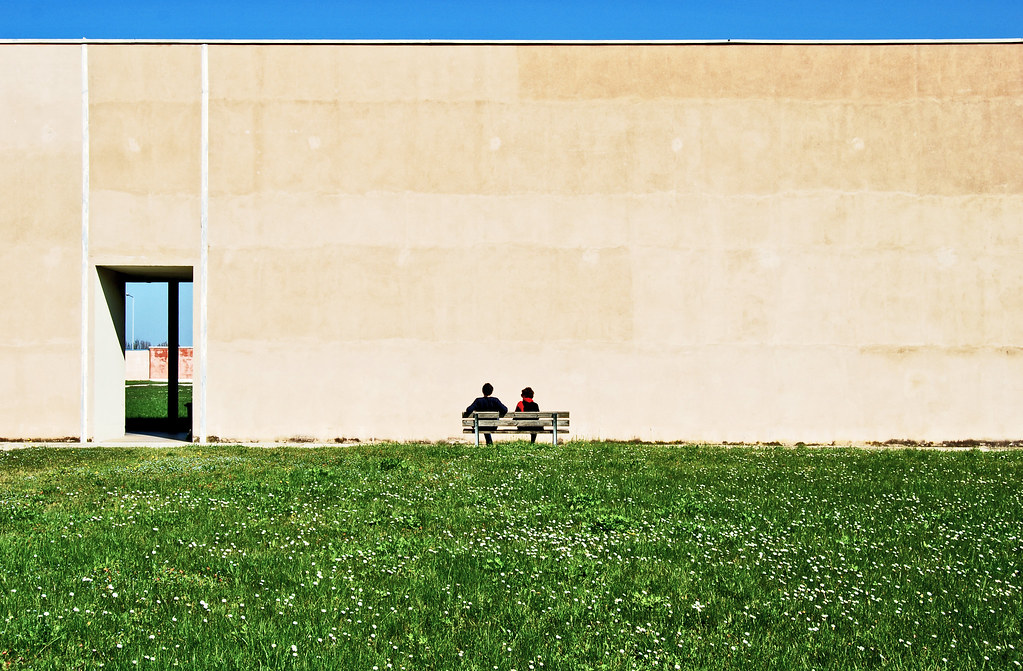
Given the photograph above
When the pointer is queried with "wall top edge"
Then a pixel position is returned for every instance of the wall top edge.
(1007, 40)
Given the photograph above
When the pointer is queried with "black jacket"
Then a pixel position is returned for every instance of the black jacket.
(486, 404)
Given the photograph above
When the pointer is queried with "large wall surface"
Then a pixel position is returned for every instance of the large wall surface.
(40, 241)
(714, 242)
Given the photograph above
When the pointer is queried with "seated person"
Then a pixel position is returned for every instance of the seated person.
(487, 403)
(527, 404)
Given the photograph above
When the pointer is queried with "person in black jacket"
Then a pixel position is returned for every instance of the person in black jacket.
(527, 404)
(487, 403)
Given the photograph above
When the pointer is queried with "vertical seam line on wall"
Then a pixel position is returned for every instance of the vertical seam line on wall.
(84, 419)
(204, 195)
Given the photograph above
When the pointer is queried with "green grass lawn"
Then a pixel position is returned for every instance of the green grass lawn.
(145, 405)
(585, 556)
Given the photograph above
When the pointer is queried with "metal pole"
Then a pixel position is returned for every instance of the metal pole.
(132, 319)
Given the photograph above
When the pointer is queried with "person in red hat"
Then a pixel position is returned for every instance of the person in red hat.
(527, 404)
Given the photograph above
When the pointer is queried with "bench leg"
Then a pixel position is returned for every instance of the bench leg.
(555, 432)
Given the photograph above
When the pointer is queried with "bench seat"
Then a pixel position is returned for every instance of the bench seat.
(553, 422)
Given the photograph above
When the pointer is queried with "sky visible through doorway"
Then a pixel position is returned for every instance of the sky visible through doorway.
(149, 300)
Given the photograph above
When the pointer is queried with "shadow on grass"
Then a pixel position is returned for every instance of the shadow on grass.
(145, 408)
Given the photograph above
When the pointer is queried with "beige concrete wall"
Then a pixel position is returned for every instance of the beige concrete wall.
(107, 361)
(136, 364)
(144, 176)
(701, 242)
(145, 151)
(40, 240)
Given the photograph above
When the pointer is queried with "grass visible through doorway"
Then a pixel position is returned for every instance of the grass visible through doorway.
(145, 404)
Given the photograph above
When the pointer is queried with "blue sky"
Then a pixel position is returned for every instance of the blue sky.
(149, 301)
(508, 20)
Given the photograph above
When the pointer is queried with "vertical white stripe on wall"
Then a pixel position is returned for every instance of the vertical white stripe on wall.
(84, 420)
(204, 197)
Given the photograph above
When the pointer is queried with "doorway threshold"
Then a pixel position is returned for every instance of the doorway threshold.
(149, 439)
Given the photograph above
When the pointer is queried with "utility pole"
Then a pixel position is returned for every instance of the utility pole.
(132, 320)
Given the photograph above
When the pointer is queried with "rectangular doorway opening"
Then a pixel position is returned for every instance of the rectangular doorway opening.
(141, 380)
(158, 394)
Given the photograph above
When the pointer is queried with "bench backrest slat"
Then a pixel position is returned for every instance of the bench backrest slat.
(541, 420)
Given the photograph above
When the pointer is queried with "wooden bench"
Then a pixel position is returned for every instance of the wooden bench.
(553, 423)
